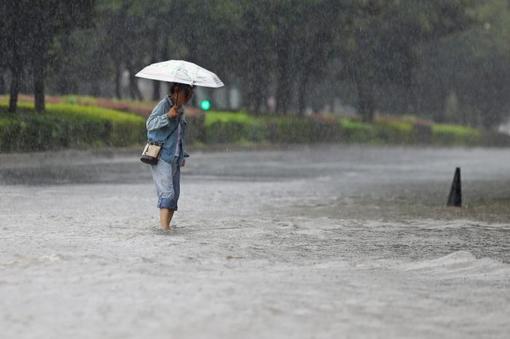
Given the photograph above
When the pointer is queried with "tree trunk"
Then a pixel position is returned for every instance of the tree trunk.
(301, 98)
(16, 64)
(156, 90)
(134, 90)
(366, 104)
(2, 84)
(65, 85)
(248, 100)
(95, 88)
(38, 76)
(14, 90)
(255, 92)
(302, 90)
(283, 91)
(257, 105)
(254, 97)
(160, 47)
(118, 77)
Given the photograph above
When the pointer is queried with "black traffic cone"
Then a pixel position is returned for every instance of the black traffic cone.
(455, 198)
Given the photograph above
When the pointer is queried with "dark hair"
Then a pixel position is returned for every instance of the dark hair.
(182, 87)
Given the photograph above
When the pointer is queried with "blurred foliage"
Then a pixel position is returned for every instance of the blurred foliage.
(455, 135)
(28, 30)
(228, 127)
(440, 60)
(357, 131)
(67, 125)
(471, 67)
(383, 41)
(237, 117)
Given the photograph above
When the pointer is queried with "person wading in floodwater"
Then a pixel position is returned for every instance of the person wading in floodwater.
(167, 123)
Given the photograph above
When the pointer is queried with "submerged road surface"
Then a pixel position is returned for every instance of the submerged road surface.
(323, 242)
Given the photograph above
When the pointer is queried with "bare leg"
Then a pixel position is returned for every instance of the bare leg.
(165, 216)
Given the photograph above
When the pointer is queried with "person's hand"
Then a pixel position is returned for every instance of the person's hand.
(173, 112)
(180, 98)
(183, 162)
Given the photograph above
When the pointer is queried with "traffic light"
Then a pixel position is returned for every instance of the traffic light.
(205, 105)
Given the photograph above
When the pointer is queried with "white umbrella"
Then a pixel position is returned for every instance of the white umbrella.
(180, 71)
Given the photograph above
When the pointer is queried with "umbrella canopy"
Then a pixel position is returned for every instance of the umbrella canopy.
(180, 71)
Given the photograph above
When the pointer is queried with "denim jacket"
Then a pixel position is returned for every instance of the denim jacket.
(162, 129)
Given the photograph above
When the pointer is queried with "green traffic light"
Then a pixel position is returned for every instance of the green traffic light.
(205, 105)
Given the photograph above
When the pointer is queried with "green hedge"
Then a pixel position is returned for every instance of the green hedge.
(228, 117)
(227, 127)
(394, 131)
(301, 130)
(356, 131)
(66, 125)
(445, 134)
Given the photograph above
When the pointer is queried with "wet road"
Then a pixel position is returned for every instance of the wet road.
(318, 242)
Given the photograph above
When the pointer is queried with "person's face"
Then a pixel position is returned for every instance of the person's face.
(188, 94)
(183, 95)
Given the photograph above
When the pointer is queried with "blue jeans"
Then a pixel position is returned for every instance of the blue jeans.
(167, 177)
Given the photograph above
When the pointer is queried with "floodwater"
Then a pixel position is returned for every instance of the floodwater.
(319, 242)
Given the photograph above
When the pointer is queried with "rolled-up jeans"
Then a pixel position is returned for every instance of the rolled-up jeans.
(167, 177)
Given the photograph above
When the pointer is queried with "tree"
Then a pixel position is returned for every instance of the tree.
(31, 27)
(253, 53)
(376, 54)
(385, 38)
(472, 65)
(321, 22)
(16, 49)
(286, 45)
